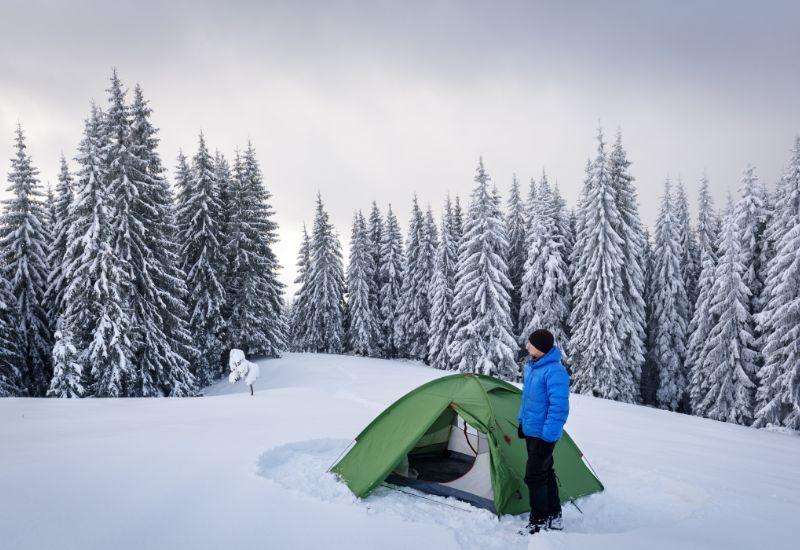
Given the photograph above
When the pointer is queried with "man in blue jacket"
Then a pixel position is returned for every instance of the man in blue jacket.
(542, 414)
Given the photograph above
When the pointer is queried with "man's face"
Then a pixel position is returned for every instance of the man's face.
(535, 353)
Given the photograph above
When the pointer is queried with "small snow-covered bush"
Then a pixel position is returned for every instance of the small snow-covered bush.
(241, 368)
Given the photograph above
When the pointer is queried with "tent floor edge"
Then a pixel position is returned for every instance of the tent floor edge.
(437, 489)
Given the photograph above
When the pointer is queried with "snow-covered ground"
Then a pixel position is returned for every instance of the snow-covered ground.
(234, 471)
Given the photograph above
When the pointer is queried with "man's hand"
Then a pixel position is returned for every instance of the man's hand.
(520, 433)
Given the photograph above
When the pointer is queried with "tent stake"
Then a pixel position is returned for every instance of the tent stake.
(576, 506)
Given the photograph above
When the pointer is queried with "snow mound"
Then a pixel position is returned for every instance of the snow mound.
(301, 468)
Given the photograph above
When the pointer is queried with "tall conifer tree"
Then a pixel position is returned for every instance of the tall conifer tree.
(95, 311)
(25, 246)
(632, 233)
(58, 248)
(778, 396)
(670, 307)
(598, 300)
(728, 358)
(413, 313)
(326, 287)
(481, 338)
(442, 290)
(198, 220)
(362, 328)
(298, 321)
(158, 292)
(545, 287)
(254, 296)
(516, 223)
(702, 319)
(391, 276)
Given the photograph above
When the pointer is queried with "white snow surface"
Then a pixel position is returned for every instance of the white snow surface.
(231, 471)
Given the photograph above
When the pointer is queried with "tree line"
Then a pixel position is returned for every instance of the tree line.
(116, 283)
(112, 286)
(701, 317)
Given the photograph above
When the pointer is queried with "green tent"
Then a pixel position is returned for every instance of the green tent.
(457, 436)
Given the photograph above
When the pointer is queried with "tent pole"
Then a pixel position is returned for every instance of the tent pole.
(340, 456)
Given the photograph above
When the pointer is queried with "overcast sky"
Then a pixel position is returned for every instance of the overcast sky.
(378, 100)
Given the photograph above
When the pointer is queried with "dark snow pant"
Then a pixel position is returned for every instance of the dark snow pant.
(540, 477)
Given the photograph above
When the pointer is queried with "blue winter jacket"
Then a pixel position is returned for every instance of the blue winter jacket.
(545, 397)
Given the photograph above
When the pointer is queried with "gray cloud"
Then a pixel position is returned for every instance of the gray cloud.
(365, 100)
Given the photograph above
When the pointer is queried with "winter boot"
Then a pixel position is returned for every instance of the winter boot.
(534, 526)
(555, 523)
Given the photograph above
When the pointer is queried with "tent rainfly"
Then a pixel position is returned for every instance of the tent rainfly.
(457, 436)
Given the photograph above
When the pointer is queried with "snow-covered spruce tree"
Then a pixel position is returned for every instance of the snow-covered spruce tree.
(375, 238)
(413, 314)
(159, 295)
(408, 310)
(545, 282)
(778, 395)
(326, 287)
(751, 220)
(689, 268)
(254, 295)
(536, 237)
(516, 223)
(632, 233)
(598, 300)
(67, 381)
(533, 238)
(123, 171)
(391, 276)
(702, 319)
(58, 247)
(670, 307)
(430, 247)
(24, 248)
(94, 305)
(728, 358)
(299, 314)
(752, 214)
(708, 230)
(362, 330)
(564, 229)
(481, 338)
(441, 291)
(11, 381)
(198, 220)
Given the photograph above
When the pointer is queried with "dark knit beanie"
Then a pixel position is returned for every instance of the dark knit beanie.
(541, 339)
